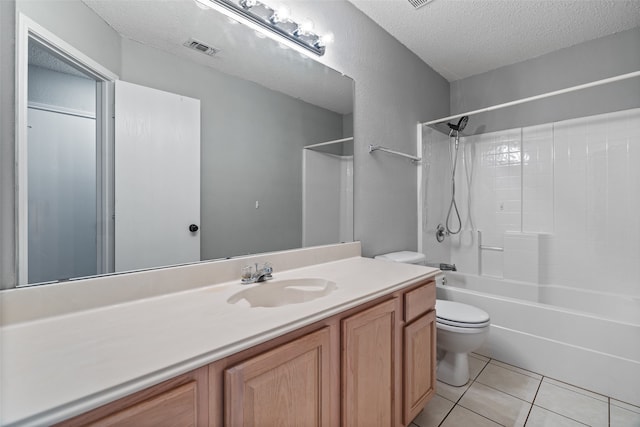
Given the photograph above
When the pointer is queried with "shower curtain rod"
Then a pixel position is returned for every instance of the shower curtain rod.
(373, 148)
(536, 97)
(322, 144)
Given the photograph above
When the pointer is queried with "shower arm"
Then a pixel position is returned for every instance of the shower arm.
(373, 148)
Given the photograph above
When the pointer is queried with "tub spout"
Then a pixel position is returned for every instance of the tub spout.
(448, 267)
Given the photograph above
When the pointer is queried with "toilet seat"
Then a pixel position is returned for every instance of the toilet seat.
(462, 324)
(460, 315)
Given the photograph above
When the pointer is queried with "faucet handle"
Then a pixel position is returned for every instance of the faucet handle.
(267, 269)
(246, 273)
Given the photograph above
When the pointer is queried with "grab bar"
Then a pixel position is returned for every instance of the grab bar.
(491, 248)
(373, 148)
(487, 248)
(481, 248)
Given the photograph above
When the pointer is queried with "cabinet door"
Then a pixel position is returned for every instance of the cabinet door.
(176, 407)
(287, 386)
(419, 364)
(368, 369)
(180, 401)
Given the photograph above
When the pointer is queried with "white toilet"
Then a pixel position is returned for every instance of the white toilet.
(461, 328)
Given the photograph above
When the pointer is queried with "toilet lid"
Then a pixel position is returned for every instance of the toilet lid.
(406, 257)
(458, 314)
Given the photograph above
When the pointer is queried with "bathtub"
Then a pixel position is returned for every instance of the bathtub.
(589, 339)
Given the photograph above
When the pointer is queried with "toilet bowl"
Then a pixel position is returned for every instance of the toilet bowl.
(460, 329)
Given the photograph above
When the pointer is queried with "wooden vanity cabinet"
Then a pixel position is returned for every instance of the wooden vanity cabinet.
(371, 365)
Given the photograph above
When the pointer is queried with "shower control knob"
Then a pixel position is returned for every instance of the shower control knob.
(193, 228)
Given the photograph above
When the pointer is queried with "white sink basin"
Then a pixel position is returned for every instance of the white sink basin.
(283, 292)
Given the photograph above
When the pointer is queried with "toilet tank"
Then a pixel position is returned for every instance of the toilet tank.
(406, 257)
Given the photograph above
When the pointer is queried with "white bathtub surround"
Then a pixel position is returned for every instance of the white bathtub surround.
(58, 364)
(597, 199)
(521, 257)
(571, 189)
(594, 352)
(572, 182)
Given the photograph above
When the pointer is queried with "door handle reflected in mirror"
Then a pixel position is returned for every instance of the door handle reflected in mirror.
(193, 228)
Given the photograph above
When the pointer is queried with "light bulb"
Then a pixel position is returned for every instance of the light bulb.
(306, 26)
(248, 4)
(281, 14)
(323, 41)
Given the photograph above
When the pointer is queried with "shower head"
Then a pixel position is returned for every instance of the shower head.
(462, 123)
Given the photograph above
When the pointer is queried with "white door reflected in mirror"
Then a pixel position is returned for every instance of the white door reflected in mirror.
(157, 178)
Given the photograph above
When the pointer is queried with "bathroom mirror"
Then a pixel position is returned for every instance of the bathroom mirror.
(260, 105)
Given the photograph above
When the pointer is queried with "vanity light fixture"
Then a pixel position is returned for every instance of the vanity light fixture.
(419, 3)
(274, 23)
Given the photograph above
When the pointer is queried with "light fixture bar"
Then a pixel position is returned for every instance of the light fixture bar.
(267, 26)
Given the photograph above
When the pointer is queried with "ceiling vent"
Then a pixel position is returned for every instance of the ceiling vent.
(201, 47)
(419, 3)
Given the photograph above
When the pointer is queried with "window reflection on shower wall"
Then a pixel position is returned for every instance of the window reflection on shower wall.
(561, 199)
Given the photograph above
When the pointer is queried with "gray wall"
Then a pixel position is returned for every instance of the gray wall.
(7, 138)
(395, 91)
(590, 61)
(252, 141)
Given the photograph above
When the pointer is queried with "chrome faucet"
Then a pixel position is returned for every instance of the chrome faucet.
(448, 267)
(259, 275)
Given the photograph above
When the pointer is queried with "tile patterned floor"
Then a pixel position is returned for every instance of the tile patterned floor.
(503, 395)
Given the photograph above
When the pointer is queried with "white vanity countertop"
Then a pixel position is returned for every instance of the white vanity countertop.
(58, 367)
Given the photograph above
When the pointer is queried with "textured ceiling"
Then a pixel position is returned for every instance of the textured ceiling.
(167, 24)
(40, 56)
(462, 38)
